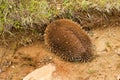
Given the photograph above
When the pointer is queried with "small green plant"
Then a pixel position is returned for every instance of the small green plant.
(1, 28)
(91, 71)
(85, 4)
(102, 3)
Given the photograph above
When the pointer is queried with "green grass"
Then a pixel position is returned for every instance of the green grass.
(19, 13)
(23, 14)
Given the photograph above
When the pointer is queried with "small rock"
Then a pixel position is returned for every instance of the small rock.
(13, 67)
(101, 45)
(43, 73)
(118, 77)
(0, 70)
(117, 51)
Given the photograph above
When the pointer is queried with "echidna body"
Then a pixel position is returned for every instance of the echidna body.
(66, 39)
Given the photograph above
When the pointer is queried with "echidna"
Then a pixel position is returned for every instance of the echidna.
(66, 39)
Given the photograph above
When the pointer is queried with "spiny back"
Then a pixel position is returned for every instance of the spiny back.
(66, 39)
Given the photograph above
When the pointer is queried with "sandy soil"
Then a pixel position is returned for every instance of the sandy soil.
(105, 66)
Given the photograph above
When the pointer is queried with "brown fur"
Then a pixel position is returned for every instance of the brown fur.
(66, 39)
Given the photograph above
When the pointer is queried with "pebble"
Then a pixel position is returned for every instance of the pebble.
(118, 77)
(117, 51)
(0, 70)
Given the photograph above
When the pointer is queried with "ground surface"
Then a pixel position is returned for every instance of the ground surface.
(106, 65)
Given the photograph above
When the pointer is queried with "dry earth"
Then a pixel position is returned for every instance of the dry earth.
(105, 66)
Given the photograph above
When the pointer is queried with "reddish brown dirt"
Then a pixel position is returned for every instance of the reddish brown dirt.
(105, 66)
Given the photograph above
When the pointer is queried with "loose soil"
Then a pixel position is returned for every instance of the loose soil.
(105, 65)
